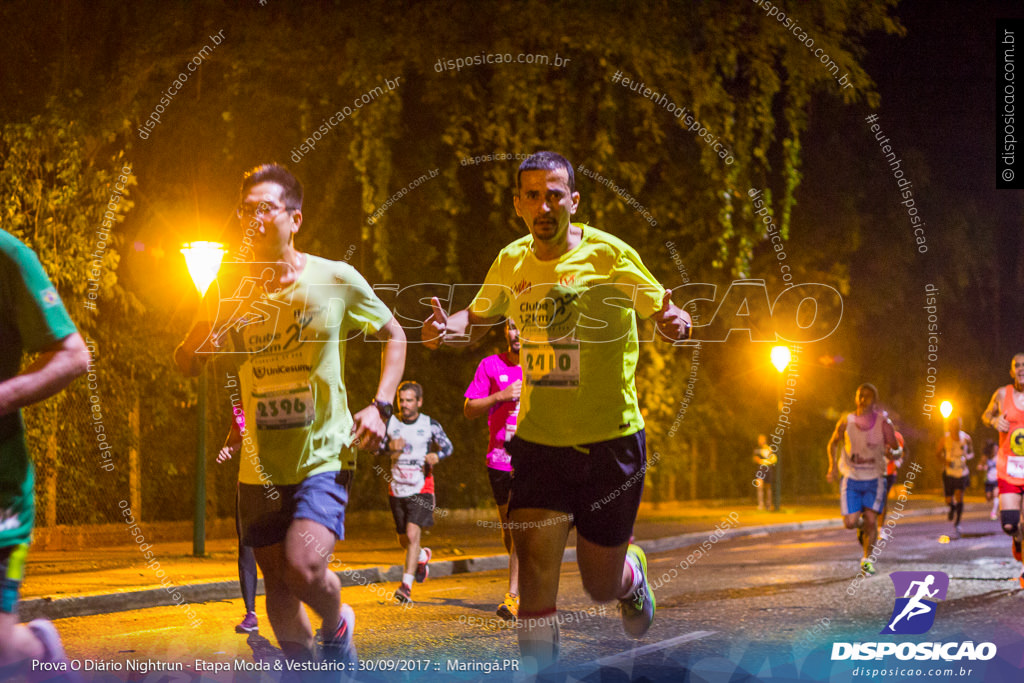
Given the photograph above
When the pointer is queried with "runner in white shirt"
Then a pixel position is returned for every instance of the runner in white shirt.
(416, 443)
(862, 441)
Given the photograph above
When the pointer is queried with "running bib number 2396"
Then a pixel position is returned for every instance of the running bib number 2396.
(285, 409)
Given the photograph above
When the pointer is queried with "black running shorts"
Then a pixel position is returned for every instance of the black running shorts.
(501, 484)
(417, 509)
(951, 484)
(598, 484)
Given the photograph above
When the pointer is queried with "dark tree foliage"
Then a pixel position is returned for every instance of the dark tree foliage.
(405, 185)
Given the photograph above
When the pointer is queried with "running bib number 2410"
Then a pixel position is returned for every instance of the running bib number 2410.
(551, 365)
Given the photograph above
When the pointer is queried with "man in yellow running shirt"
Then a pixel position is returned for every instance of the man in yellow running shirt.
(579, 453)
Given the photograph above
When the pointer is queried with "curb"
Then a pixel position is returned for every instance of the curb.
(88, 605)
(664, 544)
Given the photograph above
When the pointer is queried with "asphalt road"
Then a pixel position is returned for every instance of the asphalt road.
(771, 606)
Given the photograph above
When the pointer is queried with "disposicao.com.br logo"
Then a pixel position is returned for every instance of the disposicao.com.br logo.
(917, 596)
(914, 613)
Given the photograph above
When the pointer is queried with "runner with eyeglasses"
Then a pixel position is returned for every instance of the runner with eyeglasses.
(284, 319)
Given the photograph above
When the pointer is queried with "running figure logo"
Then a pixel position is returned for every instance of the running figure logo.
(914, 613)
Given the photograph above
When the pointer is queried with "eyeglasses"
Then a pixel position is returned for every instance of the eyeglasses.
(260, 210)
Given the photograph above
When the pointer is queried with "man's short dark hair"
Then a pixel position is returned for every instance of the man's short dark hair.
(275, 173)
(414, 387)
(870, 387)
(546, 161)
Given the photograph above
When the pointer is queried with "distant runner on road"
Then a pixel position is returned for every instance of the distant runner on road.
(862, 443)
(416, 442)
(892, 470)
(765, 475)
(955, 449)
(247, 575)
(989, 466)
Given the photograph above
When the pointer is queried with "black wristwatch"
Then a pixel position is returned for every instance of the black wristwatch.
(385, 409)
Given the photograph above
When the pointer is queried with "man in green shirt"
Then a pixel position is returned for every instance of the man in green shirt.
(579, 451)
(286, 320)
(32, 320)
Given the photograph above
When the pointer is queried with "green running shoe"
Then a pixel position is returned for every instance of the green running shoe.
(638, 609)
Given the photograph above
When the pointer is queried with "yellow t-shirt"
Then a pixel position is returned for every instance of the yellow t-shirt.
(290, 353)
(577, 323)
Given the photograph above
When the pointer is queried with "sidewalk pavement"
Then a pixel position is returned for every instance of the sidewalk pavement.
(62, 583)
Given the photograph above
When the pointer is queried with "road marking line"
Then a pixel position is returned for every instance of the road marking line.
(653, 647)
(151, 630)
(453, 589)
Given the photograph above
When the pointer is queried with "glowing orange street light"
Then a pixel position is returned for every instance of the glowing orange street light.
(946, 408)
(781, 357)
(203, 260)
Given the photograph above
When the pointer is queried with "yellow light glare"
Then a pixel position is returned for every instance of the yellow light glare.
(780, 357)
(203, 260)
(946, 408)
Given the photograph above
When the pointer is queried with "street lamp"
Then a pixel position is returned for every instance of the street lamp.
(946, 408)
(203, 261)
(781, 357)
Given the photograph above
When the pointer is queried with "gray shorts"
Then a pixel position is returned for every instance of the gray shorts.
(321, 498)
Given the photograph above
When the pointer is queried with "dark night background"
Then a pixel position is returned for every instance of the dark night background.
(79, 79)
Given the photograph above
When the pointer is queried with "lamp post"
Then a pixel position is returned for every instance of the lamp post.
(203, 261)
(781, 357)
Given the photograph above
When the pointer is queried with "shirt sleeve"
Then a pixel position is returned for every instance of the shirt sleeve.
(364, 310)
(493, 298)
(629, 270)
(39, 313)
(480, 387)
(440, 440)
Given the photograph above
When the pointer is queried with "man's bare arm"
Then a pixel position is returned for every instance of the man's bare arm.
(837, 436)
(53, 370)
(478, 407)
(889, 434)
(458, 329)
(830, 450)
(392, 360)
(993, 416)
(368, 428)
